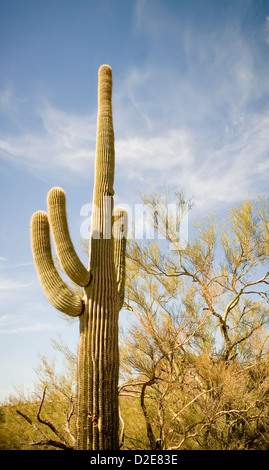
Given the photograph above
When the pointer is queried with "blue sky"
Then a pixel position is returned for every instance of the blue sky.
(190, 107)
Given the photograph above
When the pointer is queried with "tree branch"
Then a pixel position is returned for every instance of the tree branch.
(150, 433)
(62, 444)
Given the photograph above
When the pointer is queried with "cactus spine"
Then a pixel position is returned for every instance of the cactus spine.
(103, 282)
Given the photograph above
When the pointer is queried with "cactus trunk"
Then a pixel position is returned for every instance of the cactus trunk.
(103, 281)
(98, 362)
(98, 358)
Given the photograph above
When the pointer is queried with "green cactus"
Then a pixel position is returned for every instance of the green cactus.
(103, 282)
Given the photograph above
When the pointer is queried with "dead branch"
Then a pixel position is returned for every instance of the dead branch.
(62, 444)
(47, 423)
(69, 416)
(121, 440)
(36, 428)
(150, 433)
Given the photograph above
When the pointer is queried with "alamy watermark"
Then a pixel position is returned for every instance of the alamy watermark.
(162, 222)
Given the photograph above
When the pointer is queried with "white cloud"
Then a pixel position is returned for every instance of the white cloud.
(236, 169)
(229, 165)
(61, 142)
(11, 284)
(156, 152)
(10, 324)
(36, 327)
(21, 265)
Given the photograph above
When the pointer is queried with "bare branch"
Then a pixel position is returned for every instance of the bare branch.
(121, 440)
(51, 442)
(235, 300)
(150, 433)
(62, 444)
(36, 428)
(47, 423)
(45, 440)
(69, 416)
(191, 403)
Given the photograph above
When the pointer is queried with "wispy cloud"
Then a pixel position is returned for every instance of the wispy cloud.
(21, 265)
(61, 141)
(12, 284)
(217, 168)
(12, 324)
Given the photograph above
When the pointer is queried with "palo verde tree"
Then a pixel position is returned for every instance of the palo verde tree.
(97, 422)
(197, 355)
(220, 276)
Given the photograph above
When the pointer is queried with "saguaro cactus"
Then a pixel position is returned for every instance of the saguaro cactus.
(103, 283)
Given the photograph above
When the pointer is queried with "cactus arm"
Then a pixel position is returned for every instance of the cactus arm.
(105, 154)
(105, 157)
(58, 222)
(56, 291)
(120, 227)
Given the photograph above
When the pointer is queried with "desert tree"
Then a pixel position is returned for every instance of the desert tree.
(201, 328)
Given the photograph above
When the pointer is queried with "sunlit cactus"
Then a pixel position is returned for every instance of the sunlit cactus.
(97, 423)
